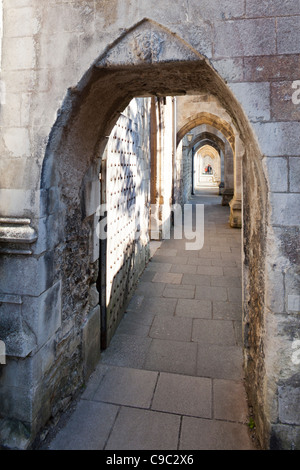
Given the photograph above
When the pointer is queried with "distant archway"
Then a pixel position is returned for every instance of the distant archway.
(211, 120)
(207, 167)
(206, 134)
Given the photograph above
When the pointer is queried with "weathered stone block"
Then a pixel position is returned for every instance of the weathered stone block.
(69, 17)
(19, 173)
(68, 46)
(21, 22)
(276, 139)
(43, 314)
(91, 341)
(273, 8)
(19, 53)
(289, 238)
(288, 35)
(20, 371)
(16, 334)
(230, 70)
(292, 288)
(200, 37)
(252, 37)
(11, 110)
(293, 304)
(31, 277)
(289, 399)
(271, 67)
(161, 12)
(17, 142)
(17, 81)
(274, 290)
(285, 209)
(95, 240)
(91, 198)
(283, 107)
(18, 202)
(52, 224)
(94, 296)
(254, 98)
(14, 434)
(20, 3)
(276, 170)
(50, 202)
(16, 402)
(214, 10)
(294, 174)
(284, 437)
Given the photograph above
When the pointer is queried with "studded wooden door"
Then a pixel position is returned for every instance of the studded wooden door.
(122, 223)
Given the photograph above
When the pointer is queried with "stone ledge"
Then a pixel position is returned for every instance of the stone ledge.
(10, 299)
(16, 235)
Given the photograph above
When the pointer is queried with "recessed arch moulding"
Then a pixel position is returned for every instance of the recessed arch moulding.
(146, 60)
(215, 142)
(207, 155)
(213, 114)
(207, 134)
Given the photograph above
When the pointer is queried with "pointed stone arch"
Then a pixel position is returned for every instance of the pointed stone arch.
(209, 119)
(210, 138)
(235, 140)
(148, 59)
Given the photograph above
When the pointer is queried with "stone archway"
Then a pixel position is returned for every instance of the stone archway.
(208, 119)
(206, 134)
(219, 146)
(225, 125)
(146, 60)
(207, 156)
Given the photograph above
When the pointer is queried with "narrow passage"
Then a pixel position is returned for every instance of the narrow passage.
(172, 376)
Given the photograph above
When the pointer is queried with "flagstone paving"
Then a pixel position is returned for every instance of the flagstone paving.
(172, 377)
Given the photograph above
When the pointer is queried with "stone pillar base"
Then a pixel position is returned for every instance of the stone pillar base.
(221, 188)
(15, 434)
(235, 213)
(227, 195)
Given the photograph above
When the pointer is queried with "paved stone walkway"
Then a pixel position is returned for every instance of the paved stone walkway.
(172, 377)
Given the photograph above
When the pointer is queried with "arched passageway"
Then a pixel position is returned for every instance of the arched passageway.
(147, 60)
(197, 138)
(172, 375)
(207, 167)
(215, 117)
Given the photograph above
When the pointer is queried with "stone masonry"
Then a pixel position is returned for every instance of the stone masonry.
(69, 69)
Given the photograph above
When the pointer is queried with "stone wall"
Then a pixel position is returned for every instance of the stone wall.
(69, 69)
(54, 339)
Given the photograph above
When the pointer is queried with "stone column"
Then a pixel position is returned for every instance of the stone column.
(236, 202)
(162, 136)
(227, 193)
